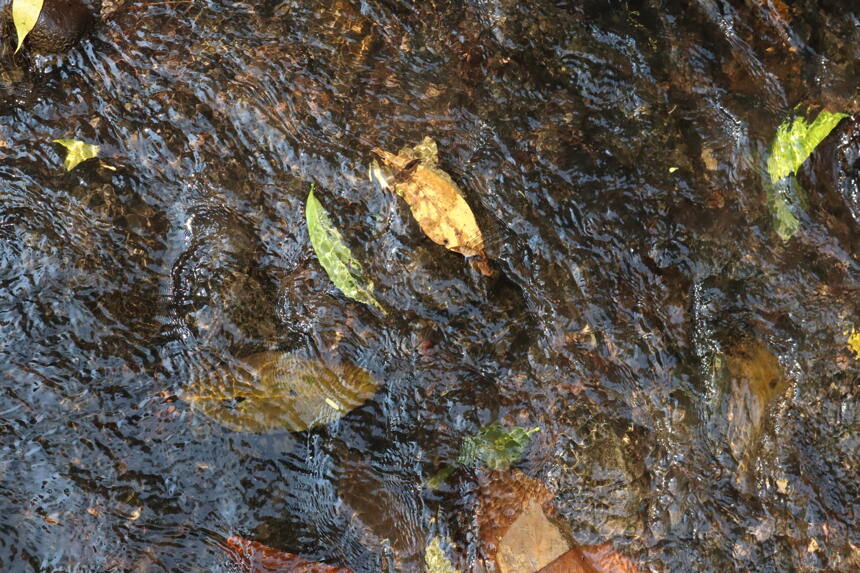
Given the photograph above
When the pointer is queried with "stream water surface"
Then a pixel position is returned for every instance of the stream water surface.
(688, 368)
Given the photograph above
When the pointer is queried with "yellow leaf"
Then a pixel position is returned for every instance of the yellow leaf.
(78, 151)
(854, 342)
(435, 201)
(25, 13)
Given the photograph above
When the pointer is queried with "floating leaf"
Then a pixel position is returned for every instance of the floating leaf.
(795, 140)
(343, 269)
(435, 558)
(254, 557)
(435, 201)
(496, 447)
(854, 342)
(77, 151)
(25, 14)
(272, 391)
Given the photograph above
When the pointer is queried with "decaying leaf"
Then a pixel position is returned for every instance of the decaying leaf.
(435, 559)
(344, 270)
(592, 559)
(755, 379)
(795, 140)
(504, 496)
(492, 446)
(254, 557)
(77, 152)
(435, 201)
(274, 391)
(25, 14)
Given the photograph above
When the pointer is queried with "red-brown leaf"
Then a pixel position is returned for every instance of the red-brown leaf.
(592, 559)
(254, 557)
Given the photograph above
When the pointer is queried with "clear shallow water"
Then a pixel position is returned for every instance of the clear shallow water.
(560, 121)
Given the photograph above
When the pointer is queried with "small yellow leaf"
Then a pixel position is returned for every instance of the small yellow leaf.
(854, 342)
(78, 151)
(673, 169)
(25, 13)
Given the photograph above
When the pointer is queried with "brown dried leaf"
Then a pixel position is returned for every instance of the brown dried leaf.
(436, 202)
(254, 557)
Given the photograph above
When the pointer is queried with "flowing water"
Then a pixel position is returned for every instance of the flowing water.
(614, 155)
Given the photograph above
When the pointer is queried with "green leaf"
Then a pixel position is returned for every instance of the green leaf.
(795, 140)
(496, 447)
(25, 14)
(435, 559)
(272, 391)
(343, 269)
(77, 151)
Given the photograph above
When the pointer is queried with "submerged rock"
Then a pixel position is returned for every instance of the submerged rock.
(61, 24)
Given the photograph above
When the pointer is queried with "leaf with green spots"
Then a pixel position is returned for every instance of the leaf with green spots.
(343, 269)
(496, 447)
(77, 152)
(492, 446)
(25, 14)
(435, 559)
(795, 140)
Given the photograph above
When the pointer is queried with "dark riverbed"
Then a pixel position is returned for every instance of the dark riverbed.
(626, 299)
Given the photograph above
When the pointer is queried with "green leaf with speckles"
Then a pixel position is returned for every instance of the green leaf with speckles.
(25, 14)
(77, 152)
(493, 446)
(496, 447)
(343, 269)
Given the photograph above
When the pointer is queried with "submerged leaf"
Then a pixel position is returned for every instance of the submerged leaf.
(77, 152)
(435, 558)
(496, 447)
(272, 391)
(435, 201)
(343, 269)
(25, 14)
(492, 446)
(254, 557)
(795, 140)
(782, 204)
